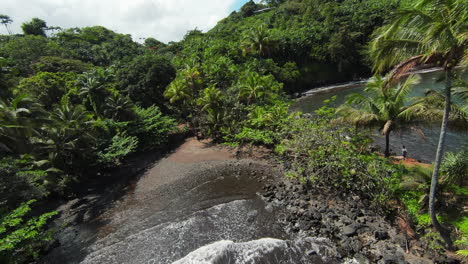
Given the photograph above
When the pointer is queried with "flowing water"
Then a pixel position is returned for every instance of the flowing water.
(421, 148)
(198, 205)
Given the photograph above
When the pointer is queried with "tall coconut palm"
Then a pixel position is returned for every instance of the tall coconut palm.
(389, 109)
(6, 20)
(430, 31)
(258, 41)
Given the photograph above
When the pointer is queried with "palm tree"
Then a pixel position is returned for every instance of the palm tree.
(192, 77)
(211, 98)
(430, 31)
(258, 41)
(390, 109)
(92, 86)
(118, 107)
(5, 20)
(179, 91)
(18, 122)
(89, 87)
(251, 88)
(455, 167)
(256, 88)
(66, 137)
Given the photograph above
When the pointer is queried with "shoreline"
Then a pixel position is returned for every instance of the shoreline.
(353, 84)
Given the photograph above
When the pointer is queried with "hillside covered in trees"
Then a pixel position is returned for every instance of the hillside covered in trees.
(76, 103)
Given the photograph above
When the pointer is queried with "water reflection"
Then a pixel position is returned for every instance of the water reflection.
(418, 148)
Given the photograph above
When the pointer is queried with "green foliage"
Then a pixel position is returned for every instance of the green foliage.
(462, 225)
(433, 241)
(334, 156)
(151, 127)
(120, 147)
(145, 78)
(422, 32)
(258, 41)
(265, 124)
(97, 45)
(463, 253)
(21, 179)
(18, 120)
(308, 33)
(455, 167)
(248, 9)
(21, 52)
(35, 27)
(47, 87)
(57, 64)
(21, 235)
(254, 88)
(94, 87)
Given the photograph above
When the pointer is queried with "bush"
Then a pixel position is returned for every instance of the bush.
(121, 146)
(264, 124)
(146, 78)
(332, 156)
(48, 87)
(23, 236)
(57, 64)
(151, 127)
(20, 180)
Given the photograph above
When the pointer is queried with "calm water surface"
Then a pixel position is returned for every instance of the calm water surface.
(418, 148)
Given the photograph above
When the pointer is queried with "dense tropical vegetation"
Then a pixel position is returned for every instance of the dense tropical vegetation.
(76, 103)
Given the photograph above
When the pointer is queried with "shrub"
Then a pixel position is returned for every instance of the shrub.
(20, 180)
(332, 156)
(151, 127)
(23, 236)
(121, 146)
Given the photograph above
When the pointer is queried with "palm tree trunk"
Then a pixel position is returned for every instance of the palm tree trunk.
(438, 160)
(386, 130)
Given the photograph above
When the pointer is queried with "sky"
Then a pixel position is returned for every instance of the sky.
(165, 20)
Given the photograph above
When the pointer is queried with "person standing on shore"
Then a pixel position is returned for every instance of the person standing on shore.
(404, 152)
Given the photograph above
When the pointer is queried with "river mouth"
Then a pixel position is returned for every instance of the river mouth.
(420, 146)
(178, 206)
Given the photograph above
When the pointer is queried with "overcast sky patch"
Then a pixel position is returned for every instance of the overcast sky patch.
(165, 20)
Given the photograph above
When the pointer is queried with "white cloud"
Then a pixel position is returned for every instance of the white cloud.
(166, 20)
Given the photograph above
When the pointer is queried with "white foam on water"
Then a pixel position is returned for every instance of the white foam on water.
(331, 88)
(227, 250)
(264, 250)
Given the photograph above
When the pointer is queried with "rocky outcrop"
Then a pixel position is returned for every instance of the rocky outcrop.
(347, 220)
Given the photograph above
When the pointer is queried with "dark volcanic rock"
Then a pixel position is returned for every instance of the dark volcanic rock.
(348, 220)
(349, 230)
(381, 235)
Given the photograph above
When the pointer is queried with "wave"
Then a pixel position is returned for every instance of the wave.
(265, 250)
(338, 87)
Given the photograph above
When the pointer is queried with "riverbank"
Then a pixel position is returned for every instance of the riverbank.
(354, 84)
(198, 194)
(201, 201)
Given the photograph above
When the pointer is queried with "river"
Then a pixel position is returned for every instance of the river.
(422, 149)
(198, 204)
